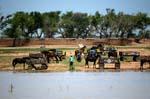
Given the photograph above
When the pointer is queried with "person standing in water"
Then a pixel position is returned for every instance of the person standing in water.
(71, 61)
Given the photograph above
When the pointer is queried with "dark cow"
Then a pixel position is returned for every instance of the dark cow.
(91, 57)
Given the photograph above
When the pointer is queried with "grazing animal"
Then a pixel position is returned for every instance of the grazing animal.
(91, 57)
(19, 61)
(50, 54)
(78, 54)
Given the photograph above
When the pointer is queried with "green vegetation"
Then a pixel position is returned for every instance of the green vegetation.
(129, 47)
(4, 59)
(18, 49)
(75, 25)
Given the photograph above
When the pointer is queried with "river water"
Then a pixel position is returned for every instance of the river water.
(75, 85)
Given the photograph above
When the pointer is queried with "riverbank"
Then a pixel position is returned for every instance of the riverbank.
(7, 54)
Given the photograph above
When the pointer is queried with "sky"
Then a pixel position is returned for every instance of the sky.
(87, 6)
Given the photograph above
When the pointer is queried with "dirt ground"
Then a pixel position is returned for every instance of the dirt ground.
(6, 59)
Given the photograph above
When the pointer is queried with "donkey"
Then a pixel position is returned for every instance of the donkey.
(19, 61)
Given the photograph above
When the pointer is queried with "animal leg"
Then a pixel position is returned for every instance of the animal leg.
(24, 66)
(87, 64)
(34, 67)
(13, 68)
(57, 61)
(141, 65)
(94, 65)
(48, 59)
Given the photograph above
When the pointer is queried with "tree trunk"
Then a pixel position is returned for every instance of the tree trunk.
(100, 35)
(110, 34)
(122, 35)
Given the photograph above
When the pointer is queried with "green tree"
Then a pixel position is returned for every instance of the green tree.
(81, 23)
(97, 23)
(50, 22)
(66, 25)
(35, 22)
(142, 22)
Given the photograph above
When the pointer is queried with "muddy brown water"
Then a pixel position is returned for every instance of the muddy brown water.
(75, 85)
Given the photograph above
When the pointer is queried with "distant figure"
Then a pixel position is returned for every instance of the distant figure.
(71, 61)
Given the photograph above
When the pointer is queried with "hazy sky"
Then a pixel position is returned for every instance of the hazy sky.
(89, 6)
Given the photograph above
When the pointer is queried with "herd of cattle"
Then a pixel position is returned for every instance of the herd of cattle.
(97, 54)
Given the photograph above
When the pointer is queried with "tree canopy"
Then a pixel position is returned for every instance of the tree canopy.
(75, 25)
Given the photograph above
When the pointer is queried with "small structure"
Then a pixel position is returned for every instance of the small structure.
(112, 60)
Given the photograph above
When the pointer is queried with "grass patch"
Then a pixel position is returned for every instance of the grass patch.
(130, 47)
(18, 49)
(6, 59)
(76, 63)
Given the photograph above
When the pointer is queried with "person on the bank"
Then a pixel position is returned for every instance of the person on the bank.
(71, 61)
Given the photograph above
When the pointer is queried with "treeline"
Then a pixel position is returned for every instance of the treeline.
(75, 25)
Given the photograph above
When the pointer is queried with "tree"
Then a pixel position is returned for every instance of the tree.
(145, 34)
(50, 21)
(97, 23)
(81, 23)
(35, 21)
(141, 22)
(74, 25)
(66, 25)
(109, 21)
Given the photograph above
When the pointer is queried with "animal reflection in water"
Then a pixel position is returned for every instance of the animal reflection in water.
(11, 88)
(30, 61)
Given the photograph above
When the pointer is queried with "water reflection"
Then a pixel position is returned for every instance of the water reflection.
(11, 88)
(75, 85)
